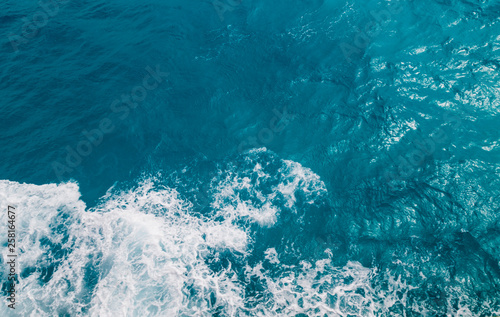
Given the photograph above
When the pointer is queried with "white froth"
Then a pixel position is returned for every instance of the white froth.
(148, 260)
(264, 210)
(151, 254)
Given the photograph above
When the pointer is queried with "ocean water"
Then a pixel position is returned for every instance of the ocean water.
(251, 158)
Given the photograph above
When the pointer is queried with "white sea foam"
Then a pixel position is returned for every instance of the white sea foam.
(292, 178)
(144, 252)
(147, 262)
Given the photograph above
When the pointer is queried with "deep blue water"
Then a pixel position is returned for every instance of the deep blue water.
(251, 158)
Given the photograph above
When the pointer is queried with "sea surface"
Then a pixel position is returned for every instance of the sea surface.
(251, 158)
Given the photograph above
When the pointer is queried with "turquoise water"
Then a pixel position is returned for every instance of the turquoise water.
(251, 158)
